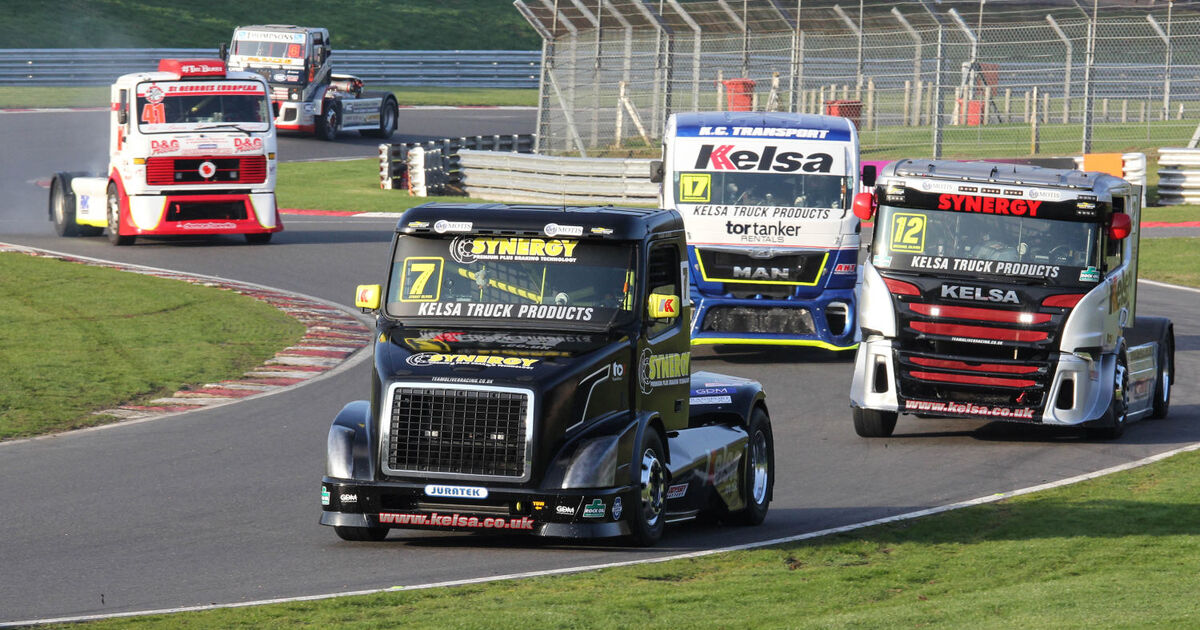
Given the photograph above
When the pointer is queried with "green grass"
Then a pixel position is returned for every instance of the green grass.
(1172, 260)
(351, 185)
(1115, 552)
(352, 24)
(77, 339)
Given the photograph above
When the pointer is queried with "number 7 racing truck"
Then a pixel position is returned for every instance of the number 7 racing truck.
(532, 376)
(1006, 292)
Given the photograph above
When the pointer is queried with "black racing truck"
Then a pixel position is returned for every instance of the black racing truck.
(532, 375)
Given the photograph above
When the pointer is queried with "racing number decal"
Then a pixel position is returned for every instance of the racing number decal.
(421, 280)
(908, 233)
(154, 114)
(695, 187)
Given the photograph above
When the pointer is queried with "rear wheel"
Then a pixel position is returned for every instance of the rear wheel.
(330, 120)
(1112, 423)
(361, 534)
(646, 521)
(874, 423)
(758, 478)
(1166, 372)
(62, 207)
(387, 120)
(114, 219)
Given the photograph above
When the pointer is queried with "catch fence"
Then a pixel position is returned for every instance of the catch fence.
(956, 78)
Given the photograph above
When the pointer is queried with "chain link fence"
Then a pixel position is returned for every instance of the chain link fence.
(956, 78)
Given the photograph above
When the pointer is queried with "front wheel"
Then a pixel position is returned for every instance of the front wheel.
(361, 534)
(758, 476)
(646, 522)
(874, 423)
(330, 120)
(114, 219)
(1115, 417)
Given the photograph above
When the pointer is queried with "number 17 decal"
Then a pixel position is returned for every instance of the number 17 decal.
(421, 280)
(908, 233)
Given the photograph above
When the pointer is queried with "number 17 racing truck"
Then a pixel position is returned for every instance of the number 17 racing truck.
(305, 93)
(532, 375)
(1006, 292)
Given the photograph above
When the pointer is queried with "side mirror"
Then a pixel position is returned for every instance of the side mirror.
(864, 206)
(122, 116)
(223, 52)
(367, 297)
(868, 176)
(1120, 226)
(656, 171)
(661, 306)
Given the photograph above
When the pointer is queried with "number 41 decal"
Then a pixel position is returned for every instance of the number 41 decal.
(421, 280)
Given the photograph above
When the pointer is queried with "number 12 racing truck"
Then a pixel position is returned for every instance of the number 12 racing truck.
(532, 376)
(1006, 292)
(306, 95)
(191, 151)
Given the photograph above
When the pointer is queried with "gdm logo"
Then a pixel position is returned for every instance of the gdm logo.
(722, 157)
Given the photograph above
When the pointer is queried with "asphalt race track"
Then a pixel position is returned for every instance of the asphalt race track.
(221, 505)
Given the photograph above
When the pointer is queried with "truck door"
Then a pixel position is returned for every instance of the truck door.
(1120, 279)
(664, 351)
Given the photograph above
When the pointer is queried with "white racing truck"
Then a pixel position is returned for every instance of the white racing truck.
(1006, 292)
(191, 151)
(306, 95)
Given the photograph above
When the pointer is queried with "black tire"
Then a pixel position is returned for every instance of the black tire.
(758, 477)
(1166, 372)
(361, 534)
(388, 117)
(1112, 423)
(113, 211)
(259, 239)
(874, 423)
(647, 519)
(329, 123)
(62, 207)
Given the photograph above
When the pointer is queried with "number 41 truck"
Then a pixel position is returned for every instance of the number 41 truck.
(772, 243)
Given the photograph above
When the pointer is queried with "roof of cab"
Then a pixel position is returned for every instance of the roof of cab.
(607, 222)
(1001, 173)
(776, 120)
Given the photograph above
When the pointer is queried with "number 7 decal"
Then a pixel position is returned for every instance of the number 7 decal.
(421, 280)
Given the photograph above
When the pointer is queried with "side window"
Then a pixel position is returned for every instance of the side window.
(1114, 250)
(663, 279)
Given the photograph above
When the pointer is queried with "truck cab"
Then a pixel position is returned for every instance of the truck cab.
(306, 95)
(532, 374)
(1009, 293)
(191, 151)
(772, 242)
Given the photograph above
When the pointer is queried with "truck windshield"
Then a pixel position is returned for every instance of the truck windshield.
(268, 49)
(511, 281)
(167, 106)
(762, 189)
(994, 247)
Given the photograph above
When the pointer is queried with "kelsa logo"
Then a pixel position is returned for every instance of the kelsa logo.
(658, 370)
(722, 157)
(434, 358)
(979, 294)
(247, 144)
(466, 250)
(164, 146)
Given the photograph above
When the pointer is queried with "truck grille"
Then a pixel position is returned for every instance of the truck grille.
(166, 171)
(801, 268)
(458, 432)
(758, 319)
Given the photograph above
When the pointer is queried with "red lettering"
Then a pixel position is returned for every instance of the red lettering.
(944, 202)
(1033, 206)
(720, 158)
(972, 204)
(989, 205)
(1001, 206)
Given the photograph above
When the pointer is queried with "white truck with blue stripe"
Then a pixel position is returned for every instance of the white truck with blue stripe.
(772, 241)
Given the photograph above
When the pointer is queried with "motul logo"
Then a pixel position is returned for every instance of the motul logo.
(979, 294)
(722, 157)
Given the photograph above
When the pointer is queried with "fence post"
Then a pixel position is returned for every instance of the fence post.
(870, 102)
(907, 95)
(1034, 140)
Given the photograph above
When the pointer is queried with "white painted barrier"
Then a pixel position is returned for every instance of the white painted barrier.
(1178, 176)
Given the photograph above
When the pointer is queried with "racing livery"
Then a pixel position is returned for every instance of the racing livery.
(772, 244)
(532, 375)
(1006, 292)
(191, 151)
(306, 95)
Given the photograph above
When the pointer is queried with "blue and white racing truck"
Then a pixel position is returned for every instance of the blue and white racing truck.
(772, 241)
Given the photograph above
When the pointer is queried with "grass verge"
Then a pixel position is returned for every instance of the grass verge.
(77, 339)
(1118, 551)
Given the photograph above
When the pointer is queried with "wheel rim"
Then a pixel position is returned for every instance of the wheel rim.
(760, 468)
(114, 214)
(1166, 381)
(652, 487)
(1119, 395)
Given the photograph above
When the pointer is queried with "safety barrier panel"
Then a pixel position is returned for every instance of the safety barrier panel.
(439, 165)
(517, 178)
(1178, 176)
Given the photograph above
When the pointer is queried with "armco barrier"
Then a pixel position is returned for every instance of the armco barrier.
(518, 178)
(441, 175)
(1178, 176)
(451, 68)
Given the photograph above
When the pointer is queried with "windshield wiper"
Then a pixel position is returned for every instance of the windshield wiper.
(224, 126)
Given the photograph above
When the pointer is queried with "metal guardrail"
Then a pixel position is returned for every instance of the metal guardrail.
(1178, 176)
(516, 178)
(446, 68)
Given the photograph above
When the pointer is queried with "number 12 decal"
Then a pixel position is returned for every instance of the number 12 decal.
(908, 232)
(421, 279)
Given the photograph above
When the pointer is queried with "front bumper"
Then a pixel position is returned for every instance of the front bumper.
(152, 214)
(589, 513)
(825, 321)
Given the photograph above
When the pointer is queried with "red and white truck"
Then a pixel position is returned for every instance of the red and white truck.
(191, 151)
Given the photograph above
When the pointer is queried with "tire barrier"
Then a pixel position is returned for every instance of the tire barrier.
(1178, 176)
(439, 171)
